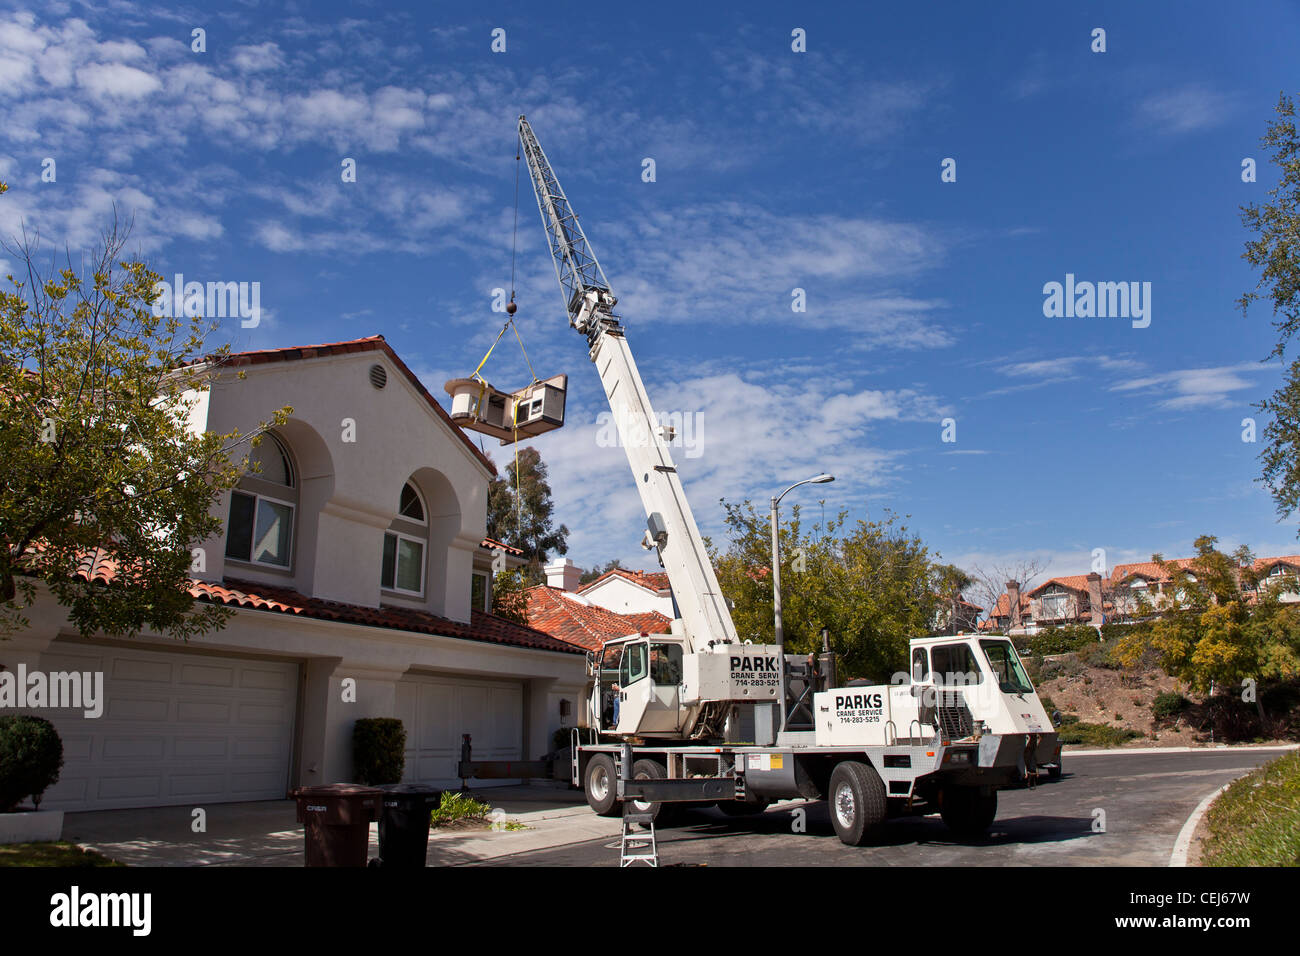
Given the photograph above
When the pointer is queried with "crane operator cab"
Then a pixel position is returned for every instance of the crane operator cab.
(636, 685)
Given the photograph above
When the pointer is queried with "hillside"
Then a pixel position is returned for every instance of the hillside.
(1087, 685)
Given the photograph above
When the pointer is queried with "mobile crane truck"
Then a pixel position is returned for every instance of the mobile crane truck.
(704, 718)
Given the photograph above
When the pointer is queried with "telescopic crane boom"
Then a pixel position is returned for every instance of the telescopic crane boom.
(589, 302)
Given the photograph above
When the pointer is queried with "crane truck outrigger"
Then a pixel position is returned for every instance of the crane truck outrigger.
(703, 717)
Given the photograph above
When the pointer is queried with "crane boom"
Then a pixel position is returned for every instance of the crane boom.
(701, 607)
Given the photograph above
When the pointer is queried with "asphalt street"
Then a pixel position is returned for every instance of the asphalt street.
(1120, 809)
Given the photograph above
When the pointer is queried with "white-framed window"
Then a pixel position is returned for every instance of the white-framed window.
(480, 591)
(403, 566)
(259, 529)
(405, 547)
(411, 505)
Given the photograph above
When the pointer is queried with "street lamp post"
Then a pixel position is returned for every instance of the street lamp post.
(776, 584)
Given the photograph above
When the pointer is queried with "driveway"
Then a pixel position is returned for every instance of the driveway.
(267, 833)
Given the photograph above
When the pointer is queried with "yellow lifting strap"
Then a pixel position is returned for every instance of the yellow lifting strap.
(514, 411)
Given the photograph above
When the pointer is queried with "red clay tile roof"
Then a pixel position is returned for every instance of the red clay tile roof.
(1003, 607)
(650, 580)
(492, 544)
(1263, 564)
(374, 343)
(1147, 569)
(484, 627)
(1075, 582)
(588, 626)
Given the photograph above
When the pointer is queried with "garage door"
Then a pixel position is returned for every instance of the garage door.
(177, 728)
(437, 710)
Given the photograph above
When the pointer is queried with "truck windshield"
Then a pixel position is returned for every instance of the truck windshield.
(1006, 667)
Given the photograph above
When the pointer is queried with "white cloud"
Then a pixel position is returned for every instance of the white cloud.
(1183, 389)
(117, 80)
(254, 58)
(1182, 110)
(746, 434)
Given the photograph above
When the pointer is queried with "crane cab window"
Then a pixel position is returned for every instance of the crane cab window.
(666, 664)
(634, 666)
(1006, 667)
(920, 666)
(609, 662)
(954, 665)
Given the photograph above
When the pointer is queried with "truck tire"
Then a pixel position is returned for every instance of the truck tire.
(967, 811)
(647, 769)
(601, 786)
(742, 808)
(1054, 771)
(857, 801)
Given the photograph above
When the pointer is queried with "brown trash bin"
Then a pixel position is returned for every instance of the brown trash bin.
(336, 822)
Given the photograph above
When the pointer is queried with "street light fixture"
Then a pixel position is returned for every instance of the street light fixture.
(776, 583)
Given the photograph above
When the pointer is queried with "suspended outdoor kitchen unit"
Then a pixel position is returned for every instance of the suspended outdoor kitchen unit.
(532, 410)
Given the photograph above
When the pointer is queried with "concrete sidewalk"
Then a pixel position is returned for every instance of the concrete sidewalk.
(266, 833)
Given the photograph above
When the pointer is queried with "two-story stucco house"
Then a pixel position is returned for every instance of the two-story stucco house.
(357, 566)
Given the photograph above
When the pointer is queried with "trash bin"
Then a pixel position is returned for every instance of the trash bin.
(404, 824)
(336, 822)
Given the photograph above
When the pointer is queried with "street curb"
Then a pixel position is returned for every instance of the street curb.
(1177, 750)
(1184, 842)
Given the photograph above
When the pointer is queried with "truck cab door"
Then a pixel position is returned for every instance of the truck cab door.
(635, 690)
(663, 710)
(606, 677)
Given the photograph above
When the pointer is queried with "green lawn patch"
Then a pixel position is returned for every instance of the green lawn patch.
(1256, 821)
(51, 854)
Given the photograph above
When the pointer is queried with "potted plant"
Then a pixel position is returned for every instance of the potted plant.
(31, 756)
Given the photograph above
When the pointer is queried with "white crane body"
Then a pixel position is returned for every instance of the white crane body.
(696, 715)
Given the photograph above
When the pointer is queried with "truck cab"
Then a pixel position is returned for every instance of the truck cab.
(993, 685)
(635, 686)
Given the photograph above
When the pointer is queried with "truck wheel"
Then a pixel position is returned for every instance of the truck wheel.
(967, 811)
(857, 802)
(741, 808)
(600, 785)
(1054, 772)
(652, 770)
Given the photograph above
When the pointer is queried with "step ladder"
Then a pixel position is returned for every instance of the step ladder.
(638, 847)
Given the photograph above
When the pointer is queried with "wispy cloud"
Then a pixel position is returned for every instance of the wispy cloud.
(1182, 110)
(1191, 388)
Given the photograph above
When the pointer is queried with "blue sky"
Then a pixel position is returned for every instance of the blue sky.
(775, 170)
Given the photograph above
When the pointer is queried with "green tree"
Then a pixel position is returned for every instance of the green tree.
(1275, 251)
(950, 582)
(95, 447)
(1210, 631)
(521, 513)
(869, 586)
(509, 595)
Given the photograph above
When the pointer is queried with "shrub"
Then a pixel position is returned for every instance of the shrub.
(31, 756)
(1076, 731)
(1100, 656)
(1057, 640)
(378, 750)
(457, 806)
(1169, 704)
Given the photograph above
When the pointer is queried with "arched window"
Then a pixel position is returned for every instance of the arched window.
(405, 546)
(262, 508)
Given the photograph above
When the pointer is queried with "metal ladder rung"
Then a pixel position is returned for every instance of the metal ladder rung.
(638, 842)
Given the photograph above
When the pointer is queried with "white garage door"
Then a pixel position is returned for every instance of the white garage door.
(177, 728)
(438, 710)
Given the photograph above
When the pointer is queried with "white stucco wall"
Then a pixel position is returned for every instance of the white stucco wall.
(349, 489)
(623, 597)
